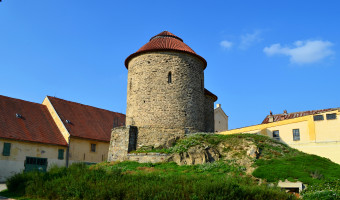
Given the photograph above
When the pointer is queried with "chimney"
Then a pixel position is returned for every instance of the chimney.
(283, 117)
(271, 117)
(218, 105)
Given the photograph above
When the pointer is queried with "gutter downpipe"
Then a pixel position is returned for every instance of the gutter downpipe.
(68, 151)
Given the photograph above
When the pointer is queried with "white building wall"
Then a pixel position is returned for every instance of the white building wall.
(221, 119)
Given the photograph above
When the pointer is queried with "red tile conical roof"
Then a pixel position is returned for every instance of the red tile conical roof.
(163, 42)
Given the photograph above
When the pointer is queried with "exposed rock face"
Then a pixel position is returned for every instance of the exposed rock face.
(253, 151)
(243, 154)
(196, 155)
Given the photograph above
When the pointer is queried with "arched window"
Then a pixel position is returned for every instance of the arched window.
(169, 78)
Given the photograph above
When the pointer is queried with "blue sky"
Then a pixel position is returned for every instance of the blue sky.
(261, 55)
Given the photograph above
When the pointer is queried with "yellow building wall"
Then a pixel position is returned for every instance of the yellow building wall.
(80, 151)
(56, 119)
(321, 138)
(328, 130)
(330, 150)
(286, 132)
(14, 163)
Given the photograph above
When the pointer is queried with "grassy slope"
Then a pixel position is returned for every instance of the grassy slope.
(131, 180)
(221, 179)
(275, 162)
(275, 157)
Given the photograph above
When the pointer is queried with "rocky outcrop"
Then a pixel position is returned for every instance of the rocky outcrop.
(196, 155)
(243, 154)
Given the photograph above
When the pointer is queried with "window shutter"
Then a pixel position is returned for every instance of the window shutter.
(61, 154)
(7, 149)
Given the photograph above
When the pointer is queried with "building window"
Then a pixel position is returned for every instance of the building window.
(36, 161)
(331, 116)
(93, 147)
(7, 149)
(276, 134)
(61, 154)
(169, 78)
(318, 117)
(296, 134)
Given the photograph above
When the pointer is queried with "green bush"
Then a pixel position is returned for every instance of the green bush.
(18, 183)
(322, 195)
(309, 169)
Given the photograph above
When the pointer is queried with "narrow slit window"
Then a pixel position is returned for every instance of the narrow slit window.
(130, 83)
(169, 78)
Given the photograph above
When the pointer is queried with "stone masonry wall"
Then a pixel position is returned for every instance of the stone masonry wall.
(153, 102)
(209, 114)
(123, 140)
(158, 137)
(130, 138)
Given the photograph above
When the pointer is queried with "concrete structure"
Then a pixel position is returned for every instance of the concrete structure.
(314, 132)
(220, 118)
(166, 97)
(291, 187)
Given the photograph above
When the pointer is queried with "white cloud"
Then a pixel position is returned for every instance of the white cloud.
(303, 52)
(226, 44)
(250, 38)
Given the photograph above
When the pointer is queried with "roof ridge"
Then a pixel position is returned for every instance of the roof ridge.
(19, 99)
(307, 111)
(85, 105)
(293, 115)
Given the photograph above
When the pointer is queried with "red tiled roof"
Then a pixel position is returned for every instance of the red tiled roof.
(208, 93)
(86, 121)
(163, 42)
(280, 117)
(35, 125)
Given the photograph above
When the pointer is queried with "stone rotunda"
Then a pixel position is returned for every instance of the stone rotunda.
(166, 98)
